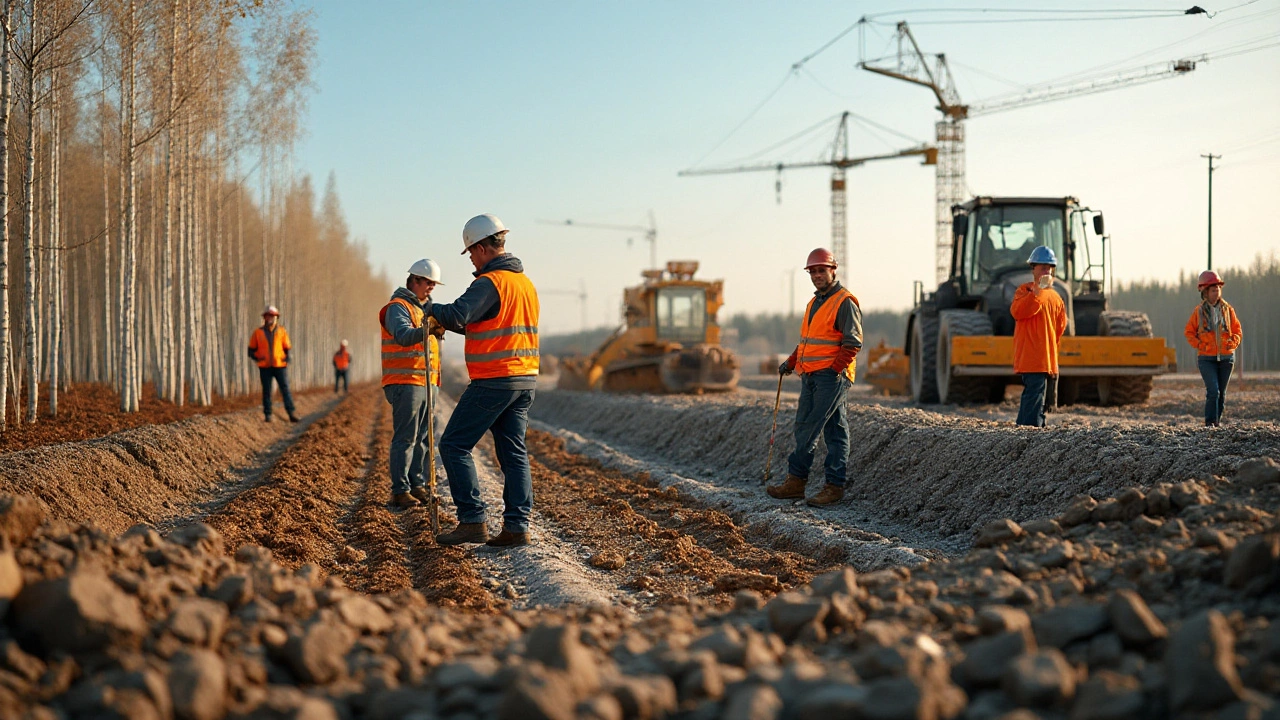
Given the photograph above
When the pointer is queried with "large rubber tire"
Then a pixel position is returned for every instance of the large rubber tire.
(1124, 389)
(960, 389)
(924, 358)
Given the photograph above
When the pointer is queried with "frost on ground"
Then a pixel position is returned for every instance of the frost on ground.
(928, 478)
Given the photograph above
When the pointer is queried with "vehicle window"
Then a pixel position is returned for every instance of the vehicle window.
(682, 314)
(1003, 237)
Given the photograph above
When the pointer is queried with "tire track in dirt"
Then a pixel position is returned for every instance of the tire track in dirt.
(668, 547)
(296, 512)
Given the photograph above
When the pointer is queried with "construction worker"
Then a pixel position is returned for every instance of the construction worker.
(1041, 319)
(406, 380)
(1214, 331)
(830, 338)
(269, 346)
(498, 314)
(341, 361)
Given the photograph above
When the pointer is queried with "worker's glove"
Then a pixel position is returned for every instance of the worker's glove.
(434, 327)
(785, 368)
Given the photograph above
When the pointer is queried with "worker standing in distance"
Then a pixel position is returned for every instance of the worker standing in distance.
(269, 346)
(1041, 319)
(341, 362)
(406, 380)
(1214, 331)
(830, 338)
(498, 314)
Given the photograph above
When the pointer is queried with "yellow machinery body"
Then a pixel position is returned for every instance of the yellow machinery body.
(887, 369)
(669, 341)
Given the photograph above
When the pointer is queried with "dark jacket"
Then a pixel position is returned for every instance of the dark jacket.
(477, 303)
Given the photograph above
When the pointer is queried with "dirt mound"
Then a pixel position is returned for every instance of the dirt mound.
(145, 474)
(911, 470)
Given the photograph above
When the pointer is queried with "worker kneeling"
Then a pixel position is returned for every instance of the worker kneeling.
(830, 338)
(406, 380)
(1041, 319)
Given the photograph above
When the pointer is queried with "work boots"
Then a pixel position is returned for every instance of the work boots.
(421, 494)
(827, 495)
(464, 533)
(294, 418)
(792, 487)
(403, 501)
(506, 538)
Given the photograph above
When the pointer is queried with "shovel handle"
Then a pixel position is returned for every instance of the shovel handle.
(777, 400)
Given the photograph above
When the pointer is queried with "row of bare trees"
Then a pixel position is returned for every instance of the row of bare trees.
(146, 169)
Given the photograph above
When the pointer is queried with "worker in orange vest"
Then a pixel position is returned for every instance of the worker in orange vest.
(826, 358)
(1041, 320)
(1214, 331)
(406, 380)
(341, 361)
(498, 313)
(269, 346)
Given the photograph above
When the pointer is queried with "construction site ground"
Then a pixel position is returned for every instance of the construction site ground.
(989, 567)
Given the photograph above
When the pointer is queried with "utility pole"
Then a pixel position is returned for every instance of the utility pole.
(1211, 157)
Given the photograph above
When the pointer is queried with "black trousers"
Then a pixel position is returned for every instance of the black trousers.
(339, 376)
(281, 377)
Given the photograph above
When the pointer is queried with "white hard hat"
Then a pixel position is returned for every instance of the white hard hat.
(344, 343)
(479, 228)
(429, 269)
(271, 310)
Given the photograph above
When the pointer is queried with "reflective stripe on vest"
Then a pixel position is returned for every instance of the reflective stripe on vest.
(819, 338)
(405, 364)
(507, 345)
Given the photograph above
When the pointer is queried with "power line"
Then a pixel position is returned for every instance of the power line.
(747, 119)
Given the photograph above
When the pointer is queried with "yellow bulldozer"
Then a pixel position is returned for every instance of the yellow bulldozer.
(959, 339)
(669, 341)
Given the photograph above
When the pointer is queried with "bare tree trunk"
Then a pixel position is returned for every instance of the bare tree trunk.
(128, 357)
(28, 234)
(54, 318)
(6, 103)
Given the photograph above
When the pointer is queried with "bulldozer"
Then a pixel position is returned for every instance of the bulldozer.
(668, 342)
(959, 339)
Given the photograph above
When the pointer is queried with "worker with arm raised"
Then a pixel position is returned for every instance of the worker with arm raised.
(406, 380)
(1041, 319)
(1214, 331)
(498, 313)
(826, 358)
(269, 346)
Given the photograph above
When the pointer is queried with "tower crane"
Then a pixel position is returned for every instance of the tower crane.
(650, 232)
(839, 162)
(911, 65)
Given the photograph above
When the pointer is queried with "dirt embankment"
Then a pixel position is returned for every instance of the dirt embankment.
(910, 471)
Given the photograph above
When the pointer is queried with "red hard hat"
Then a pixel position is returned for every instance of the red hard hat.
(1207, 278)
(820, 256)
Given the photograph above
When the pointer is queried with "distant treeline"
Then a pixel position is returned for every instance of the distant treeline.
(1254, 292)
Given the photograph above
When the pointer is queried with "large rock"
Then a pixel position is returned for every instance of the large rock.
(198, 536)
(198, 685)
(82, 611)
(1132, 620)
(199, 621)
(1108, 695)
(753, 702)
(318, 653)
(20, 515)
(1200, 662)
(1040, 679)
(987, 659)
(1062, 626)
(1258, 471)
(10, 577)
(647, 697)
(1256, 558)
(559, 647)
(997, 532)
(535, 692)
(363, 614)
(837, 700)
(790, 612)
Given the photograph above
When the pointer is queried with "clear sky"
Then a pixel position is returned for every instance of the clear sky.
(431, 112)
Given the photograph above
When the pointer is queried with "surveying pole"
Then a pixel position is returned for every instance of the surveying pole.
(1211, 157)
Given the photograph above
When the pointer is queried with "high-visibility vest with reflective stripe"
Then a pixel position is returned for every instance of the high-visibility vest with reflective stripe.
(507, 345)
(819, 338)
(405, 364)
(273, 356)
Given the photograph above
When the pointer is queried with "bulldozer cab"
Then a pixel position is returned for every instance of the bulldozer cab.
(995, 240)
(681, 314)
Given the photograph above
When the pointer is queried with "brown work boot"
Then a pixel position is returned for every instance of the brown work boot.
(464, 533)
(506, 538)
(792, 487)
(401, 501)
(421, 493)
(827, 495)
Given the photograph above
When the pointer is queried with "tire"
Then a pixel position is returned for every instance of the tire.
(961, 389)
(1124, 389)
(924, 358)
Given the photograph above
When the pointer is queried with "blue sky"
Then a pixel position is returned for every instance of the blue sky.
(431, 112)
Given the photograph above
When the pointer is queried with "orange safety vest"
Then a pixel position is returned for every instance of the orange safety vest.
(507, 345)
(342, 359)
(405, 364)
(1207, 342)
(270, 356)
(820, 339)
(1040, 321)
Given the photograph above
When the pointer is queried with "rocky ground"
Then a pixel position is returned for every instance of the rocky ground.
(222, 567)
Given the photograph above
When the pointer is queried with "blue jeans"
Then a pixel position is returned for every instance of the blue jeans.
(1034, 398)
(822, 410)
(279, 374)
(506, 414)
(409, 437)
(1216, 374)
(339, 376)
